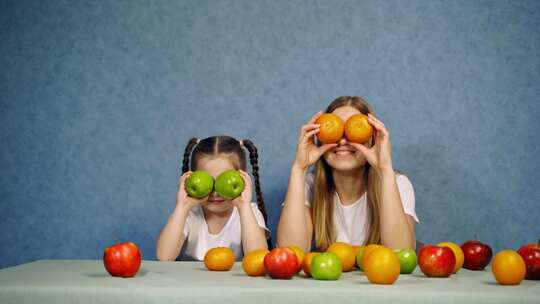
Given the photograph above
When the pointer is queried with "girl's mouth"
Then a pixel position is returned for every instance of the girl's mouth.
(215, 200)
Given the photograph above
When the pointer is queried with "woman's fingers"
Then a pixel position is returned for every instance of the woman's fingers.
(314, 118)
(326, 147)
(379, 126)
(309, 135)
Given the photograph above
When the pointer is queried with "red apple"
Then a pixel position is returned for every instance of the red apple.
(281, 263)
(122, 259)
(477, 255)
(531, 255)
(436, 261)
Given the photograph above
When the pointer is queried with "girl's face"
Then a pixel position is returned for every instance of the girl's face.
(345, 157)
(215, 165)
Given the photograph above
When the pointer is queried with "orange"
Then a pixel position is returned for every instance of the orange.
(357, 250)
(458, 253)
(253, 262)
(331, 128)
(219, 259)
(367, 251)
(382, 266)
(358, 129)
(508, 267)
(299, 253)
(345, 253)
(306, 263)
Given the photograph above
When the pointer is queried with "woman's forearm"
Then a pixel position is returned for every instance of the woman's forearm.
(292, 227)
(396, 231)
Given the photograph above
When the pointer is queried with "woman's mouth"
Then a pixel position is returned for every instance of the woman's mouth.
(344, 151)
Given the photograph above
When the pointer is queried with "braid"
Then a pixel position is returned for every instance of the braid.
(253, 158)
(187, 152)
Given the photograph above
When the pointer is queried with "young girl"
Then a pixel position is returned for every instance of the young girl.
(353, 196)
(197, 225)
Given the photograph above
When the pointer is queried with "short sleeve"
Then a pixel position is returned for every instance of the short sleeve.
(406, 192)
(187, 223)
(259, 217)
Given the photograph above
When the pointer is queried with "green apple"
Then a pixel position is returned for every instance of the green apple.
(407, 260)
(229, 184)
(325, 266)
(199, 184)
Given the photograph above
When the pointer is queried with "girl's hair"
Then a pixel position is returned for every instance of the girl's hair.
(226, 145)
(323, 198)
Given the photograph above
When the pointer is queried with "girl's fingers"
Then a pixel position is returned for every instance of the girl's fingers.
(363, 149)
(246, 177)
(184, 176)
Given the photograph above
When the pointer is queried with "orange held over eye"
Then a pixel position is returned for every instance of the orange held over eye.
(219, 259)
(345, 253)
(508, 267)
(358, 129)
(331, 128)
(382, 266)
(253, 262)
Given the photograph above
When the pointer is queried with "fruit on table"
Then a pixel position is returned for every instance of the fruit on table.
(531, 255)
(306, 263)
(299, 255)
(229, 184)
(345, 253)
(363, 255)
(122, 259)
(219, 259)
(436, 261)
(331, 128)
(253, 262)
(476, 255)
(508, 267)
(382, 266)
(281, 263)
(357, 250)
(199, 184)
(458, 253)
(326, 266)
(358, 129)
(407, 260)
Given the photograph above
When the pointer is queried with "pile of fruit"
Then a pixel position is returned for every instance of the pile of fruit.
(381, 264)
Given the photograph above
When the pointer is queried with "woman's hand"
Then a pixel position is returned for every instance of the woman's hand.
(379, 155)
(245, 197)
(182, 198)
(307, 152)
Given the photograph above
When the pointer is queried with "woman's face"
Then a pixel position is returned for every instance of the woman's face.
(345, 157)
(215, 165)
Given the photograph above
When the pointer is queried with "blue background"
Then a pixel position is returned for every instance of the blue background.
(98, 99)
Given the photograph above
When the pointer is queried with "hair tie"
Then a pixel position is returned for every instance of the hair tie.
(241, 143)
(198, 141)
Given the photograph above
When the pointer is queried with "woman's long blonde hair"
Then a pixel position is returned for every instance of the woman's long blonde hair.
(323, 198)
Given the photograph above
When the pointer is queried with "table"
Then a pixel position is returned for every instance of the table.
(86, 281)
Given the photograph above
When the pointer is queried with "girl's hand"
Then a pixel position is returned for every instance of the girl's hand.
(307, 152)
(182, 198)
(245, 197)
(379, 155)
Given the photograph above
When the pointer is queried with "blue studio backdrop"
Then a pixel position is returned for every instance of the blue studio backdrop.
(99, 98)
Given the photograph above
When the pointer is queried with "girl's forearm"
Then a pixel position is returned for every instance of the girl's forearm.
(253, 236)
(396, 232)
(172, 237)
(292, 228)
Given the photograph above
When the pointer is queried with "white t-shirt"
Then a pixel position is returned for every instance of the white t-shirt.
(199, 240)
(351, 221)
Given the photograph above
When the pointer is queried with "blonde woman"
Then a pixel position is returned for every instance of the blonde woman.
(353, 194)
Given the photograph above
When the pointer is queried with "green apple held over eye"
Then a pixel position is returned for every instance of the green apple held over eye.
(229, 184)
(199, 184)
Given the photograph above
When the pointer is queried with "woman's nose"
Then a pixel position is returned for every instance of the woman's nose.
(343, 141)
